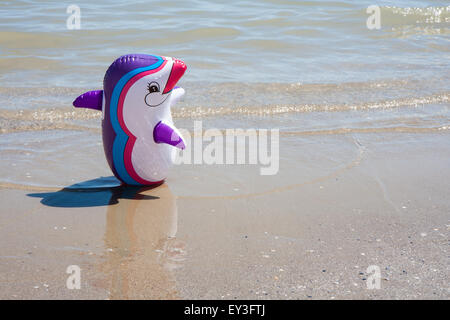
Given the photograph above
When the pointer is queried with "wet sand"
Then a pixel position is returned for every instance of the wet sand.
(311, 236)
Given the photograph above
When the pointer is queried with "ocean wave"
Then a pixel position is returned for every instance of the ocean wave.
(67, 118)
(414, 15)
(413, 21)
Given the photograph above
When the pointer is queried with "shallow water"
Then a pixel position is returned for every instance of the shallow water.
(307, 68)
(241, 41)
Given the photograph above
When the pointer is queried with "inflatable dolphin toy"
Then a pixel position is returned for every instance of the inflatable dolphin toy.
(139, 137)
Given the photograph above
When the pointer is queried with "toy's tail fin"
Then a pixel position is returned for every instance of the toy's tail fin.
(90, 99)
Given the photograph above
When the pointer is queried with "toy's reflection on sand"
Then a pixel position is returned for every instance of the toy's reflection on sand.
(141, 224)
(141, 244)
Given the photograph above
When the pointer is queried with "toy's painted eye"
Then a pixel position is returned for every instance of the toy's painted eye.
(154, 97)
(153, 87)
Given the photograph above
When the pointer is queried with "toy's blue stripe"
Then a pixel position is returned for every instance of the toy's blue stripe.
(121, 137)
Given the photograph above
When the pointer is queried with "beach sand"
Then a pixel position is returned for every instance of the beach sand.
(340, 204)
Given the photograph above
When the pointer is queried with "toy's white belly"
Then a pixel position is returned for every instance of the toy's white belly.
(152, 161)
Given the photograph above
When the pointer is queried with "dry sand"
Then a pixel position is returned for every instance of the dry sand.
(308, 237)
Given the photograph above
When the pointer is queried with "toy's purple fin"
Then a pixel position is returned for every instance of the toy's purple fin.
(90, 99)
(164, 133)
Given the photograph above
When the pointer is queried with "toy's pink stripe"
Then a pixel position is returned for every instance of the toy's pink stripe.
(131, 138)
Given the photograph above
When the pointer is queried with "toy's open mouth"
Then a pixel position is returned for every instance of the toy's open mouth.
(156, 100)
(178, 69)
